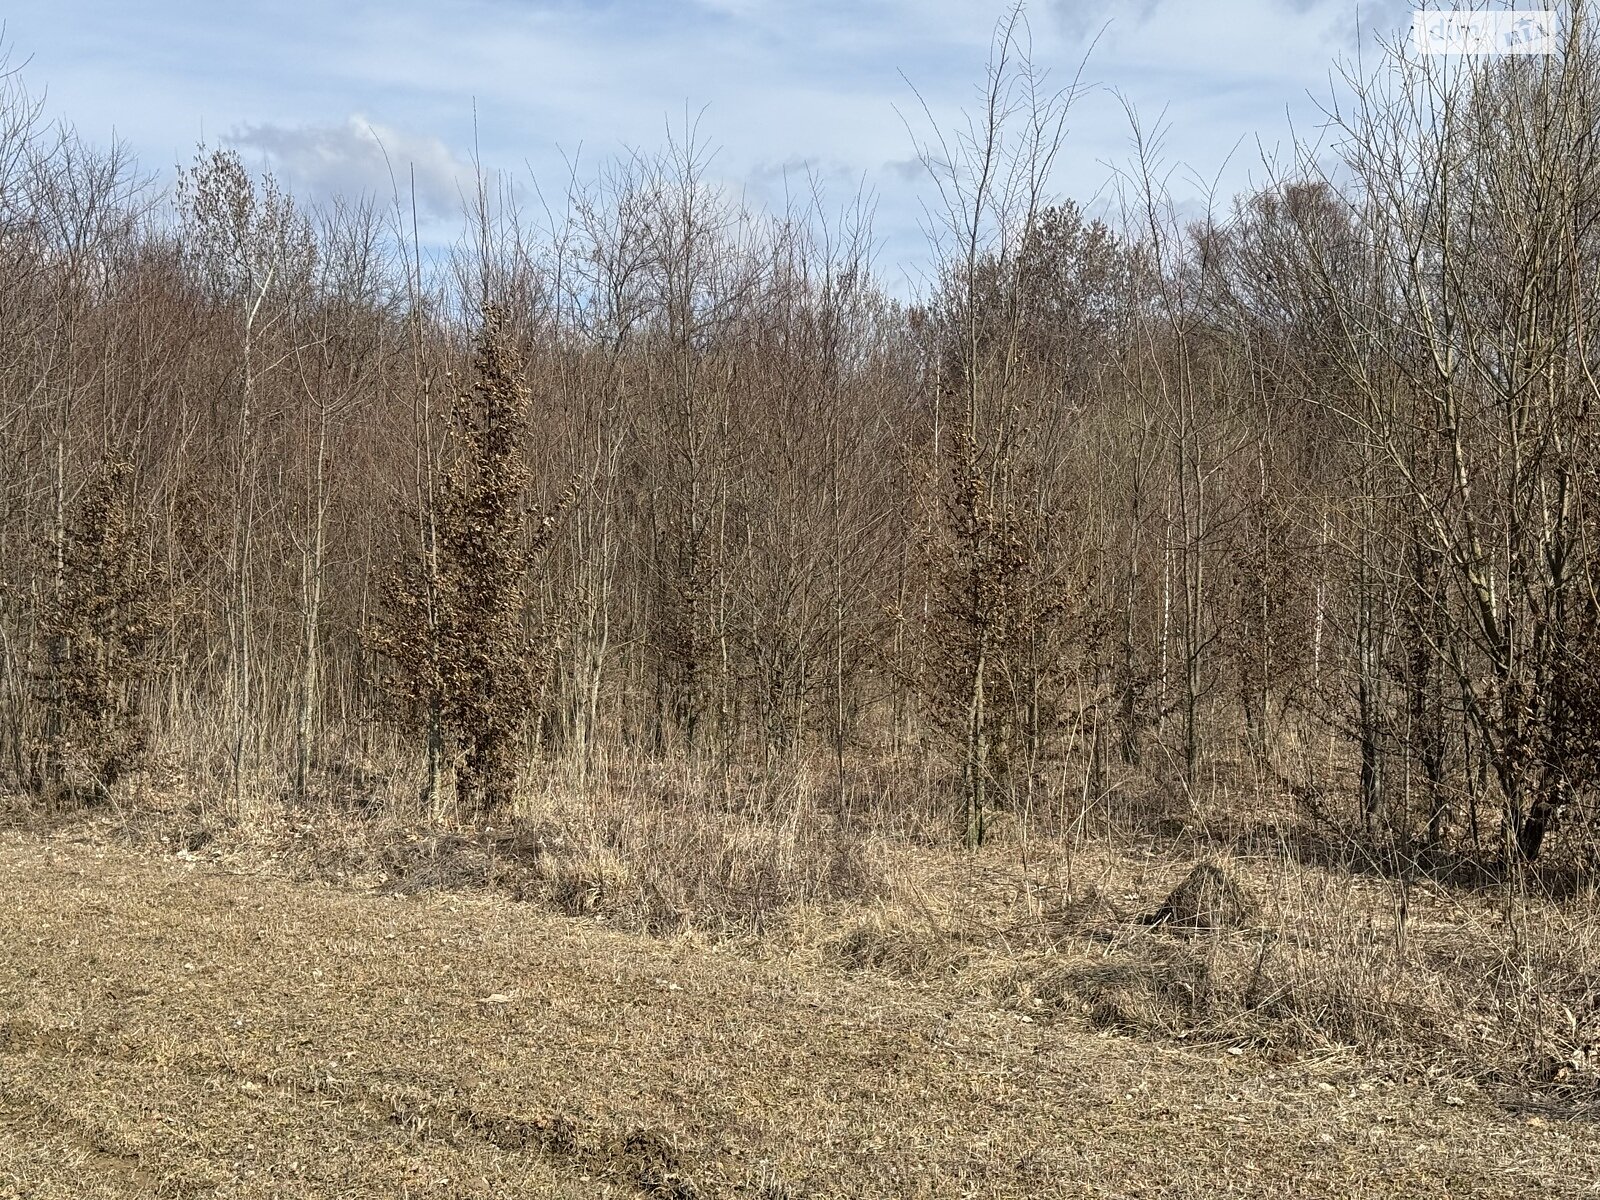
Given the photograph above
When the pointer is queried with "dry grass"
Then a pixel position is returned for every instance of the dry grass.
(654, 852)
(174, 1029)
(1321, 980)
(1491, 985)
(1496, 988)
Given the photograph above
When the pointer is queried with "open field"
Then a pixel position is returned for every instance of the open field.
(171, 1029)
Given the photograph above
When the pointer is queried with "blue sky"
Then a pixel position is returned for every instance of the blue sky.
(780, 88)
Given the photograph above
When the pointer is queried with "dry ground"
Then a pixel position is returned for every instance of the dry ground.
(172, 1029)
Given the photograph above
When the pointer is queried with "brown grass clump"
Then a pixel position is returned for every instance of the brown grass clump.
(888, 942)
(1208, 898)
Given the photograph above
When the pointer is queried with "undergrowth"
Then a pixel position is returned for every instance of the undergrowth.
(1498, 984)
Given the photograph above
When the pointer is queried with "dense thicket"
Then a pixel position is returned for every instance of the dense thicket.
(1303, 494)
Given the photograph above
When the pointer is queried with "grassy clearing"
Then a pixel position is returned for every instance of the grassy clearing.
(1498, 986)
(175, 1029)
(1452, 1010)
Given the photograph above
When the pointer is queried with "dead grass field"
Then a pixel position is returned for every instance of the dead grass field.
(174, 1029)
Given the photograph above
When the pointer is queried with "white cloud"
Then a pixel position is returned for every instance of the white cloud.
(361, 157)
(783, 89)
